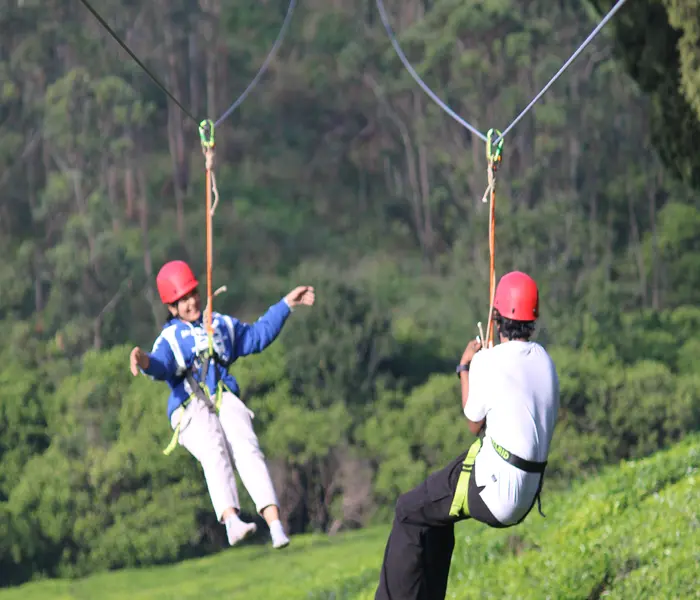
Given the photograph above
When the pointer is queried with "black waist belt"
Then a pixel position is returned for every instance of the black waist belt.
(519, 463)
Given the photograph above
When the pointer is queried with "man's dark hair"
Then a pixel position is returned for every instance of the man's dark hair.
(514, 330)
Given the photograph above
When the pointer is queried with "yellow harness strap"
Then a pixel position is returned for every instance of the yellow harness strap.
(217, 405)
(460, 503)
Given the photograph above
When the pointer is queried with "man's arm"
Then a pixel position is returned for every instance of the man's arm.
(473, 405)
(474, 426)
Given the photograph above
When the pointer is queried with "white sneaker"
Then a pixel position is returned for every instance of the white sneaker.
(279, 538)
(238, 530)
(280, 541)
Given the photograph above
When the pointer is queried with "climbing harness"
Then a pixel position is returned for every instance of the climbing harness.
(199, 388)
(494, 156)
(200, 391)
(460, 501)
(494, 148)
(528, 466)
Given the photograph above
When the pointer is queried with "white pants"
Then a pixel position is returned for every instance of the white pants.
(218, 442)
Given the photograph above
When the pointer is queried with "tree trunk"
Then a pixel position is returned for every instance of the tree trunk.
(177, 190)
(195, 91)
(593, 228)
(112, 197)
(428, 232)
(362, 186)
(176, 138)
(655, 293)
(97, 334)
(211, 8)
(409, 156)
(130, 192)
(147, 259)
(610, 234)
(637, 249)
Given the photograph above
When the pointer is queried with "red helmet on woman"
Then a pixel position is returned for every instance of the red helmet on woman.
(517, 297)
(175, 280)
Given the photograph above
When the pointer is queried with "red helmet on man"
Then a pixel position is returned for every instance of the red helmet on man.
(517, 297)
(175, 280)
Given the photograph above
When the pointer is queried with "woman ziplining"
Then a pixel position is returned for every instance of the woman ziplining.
(195, 348)
(204, 410)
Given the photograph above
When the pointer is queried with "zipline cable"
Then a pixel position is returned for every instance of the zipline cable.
(565, 66)
(455, 116)
(416, 77)
(263, 68)
(136, 59)
(239, 100)
(494, 147)
(206, 131)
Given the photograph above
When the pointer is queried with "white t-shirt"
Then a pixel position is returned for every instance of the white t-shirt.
(514, 385)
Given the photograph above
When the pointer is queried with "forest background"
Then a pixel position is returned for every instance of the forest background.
(339, 172)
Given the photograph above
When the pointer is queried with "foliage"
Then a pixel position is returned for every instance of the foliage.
(658, 44)
(627, 533)
(103, 496)
(339, 172)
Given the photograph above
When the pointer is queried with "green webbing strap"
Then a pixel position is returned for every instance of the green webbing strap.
(460, 503)
(219, 396)
(524, 465)
(202, 392)
(175, 438)
(519, 463)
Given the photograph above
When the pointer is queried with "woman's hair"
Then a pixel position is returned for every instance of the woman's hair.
(514, 330)
(170, 316)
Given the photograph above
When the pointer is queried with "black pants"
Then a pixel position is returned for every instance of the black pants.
(419, 550)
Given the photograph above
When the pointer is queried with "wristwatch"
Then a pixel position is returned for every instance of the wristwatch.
(461, 368)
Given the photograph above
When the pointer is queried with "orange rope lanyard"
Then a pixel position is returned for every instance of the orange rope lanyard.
(209, 250)
(494, 155)
(206, 134)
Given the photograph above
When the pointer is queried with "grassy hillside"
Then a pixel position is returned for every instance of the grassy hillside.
(631, 533)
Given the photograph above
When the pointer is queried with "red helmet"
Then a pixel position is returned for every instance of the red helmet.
(175, 280)
(517, 297)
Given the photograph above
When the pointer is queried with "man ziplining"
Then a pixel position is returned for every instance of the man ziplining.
(510, 397)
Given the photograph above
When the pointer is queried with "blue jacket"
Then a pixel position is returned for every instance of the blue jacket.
(176, 349)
